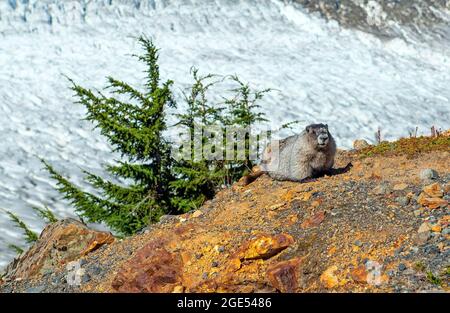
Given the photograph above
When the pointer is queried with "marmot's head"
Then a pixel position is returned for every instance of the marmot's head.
(318, 135)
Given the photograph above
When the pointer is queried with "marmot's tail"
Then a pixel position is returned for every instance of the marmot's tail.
(248, 179)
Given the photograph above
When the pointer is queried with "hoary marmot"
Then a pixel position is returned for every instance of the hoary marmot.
(307, 155)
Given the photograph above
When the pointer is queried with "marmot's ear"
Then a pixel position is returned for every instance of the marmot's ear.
(326, 126)
(308, 129)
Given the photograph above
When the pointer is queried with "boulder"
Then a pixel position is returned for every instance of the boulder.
(152, 269)
(59, 243)
(360, 144)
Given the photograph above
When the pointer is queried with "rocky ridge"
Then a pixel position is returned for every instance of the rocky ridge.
(381, 227)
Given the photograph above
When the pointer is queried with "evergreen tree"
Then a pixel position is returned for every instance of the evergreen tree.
(134, 128)
(244, 112)
(197, 180)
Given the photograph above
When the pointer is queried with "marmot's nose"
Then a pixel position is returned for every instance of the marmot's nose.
(323, 137)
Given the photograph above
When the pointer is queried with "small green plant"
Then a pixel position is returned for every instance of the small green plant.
(433, 279)
(419, 266)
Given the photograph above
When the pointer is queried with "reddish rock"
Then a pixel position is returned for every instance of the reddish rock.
(314, 221)
(152, 269)
(359, 274)
(284, 275)
(59, 243)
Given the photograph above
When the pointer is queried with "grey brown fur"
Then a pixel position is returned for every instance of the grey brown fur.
(307, 155)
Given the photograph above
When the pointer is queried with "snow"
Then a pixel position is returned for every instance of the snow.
(352, 80)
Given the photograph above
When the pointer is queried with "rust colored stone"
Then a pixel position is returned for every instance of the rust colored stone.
(314, 220)
(359, 274)
(284, 275)
(152, 269)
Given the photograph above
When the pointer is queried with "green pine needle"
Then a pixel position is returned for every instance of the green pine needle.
(29, 235)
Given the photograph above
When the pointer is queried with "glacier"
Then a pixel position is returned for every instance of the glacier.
(321, 72)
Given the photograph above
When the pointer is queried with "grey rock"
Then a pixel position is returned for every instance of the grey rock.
(401, 267)
(431, 249)
(167, 218)
(214, 264)
(403, 201)
(35, 289)
(83, 262)
(428, 174)
(422, 238)
(85, 278)
(381, 189)
(96, 270)
(398, 251)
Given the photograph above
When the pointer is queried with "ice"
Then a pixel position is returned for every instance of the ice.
(354, 81)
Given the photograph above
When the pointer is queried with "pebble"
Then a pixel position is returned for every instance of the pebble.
(96, 270)
(403, 201)
(85, 278)
(36, 289)
(422, 238)
(436, 228)
(358, 243)
(417, 213)
(197, 213)
(380, 190)
(446, 231)
(178, 289)
(401, 267)
(425, 227)
(205, 276)
(360, 144)
(83, 262)
(398, 251)
(214, 264)
(401, 186)
(428, 174)
(431, 249)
